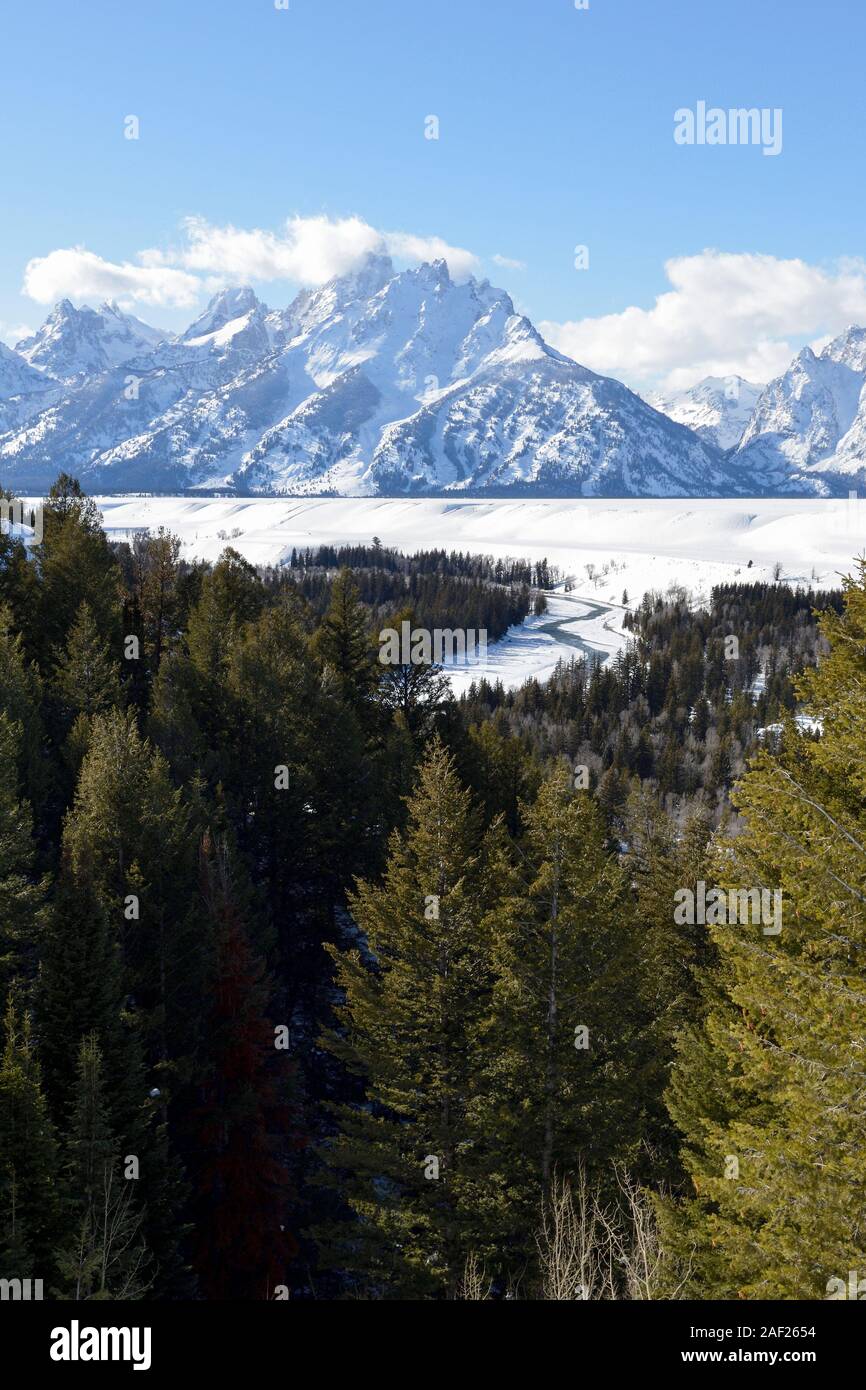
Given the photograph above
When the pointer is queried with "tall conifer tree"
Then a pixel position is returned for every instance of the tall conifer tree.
(242, 1124)
(559, 1036)
(106, 1256)
(21, 892)
(768, 1091)
(409, 1026)
(29, 1161)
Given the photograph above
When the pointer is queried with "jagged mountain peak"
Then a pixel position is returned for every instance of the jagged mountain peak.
(113, 312)
(365, 280)
(716, 408)
(848, 348)
(74, 343)
(433, 273)
(336, 296)
(380, 381)
(227, 305)
(808, 429)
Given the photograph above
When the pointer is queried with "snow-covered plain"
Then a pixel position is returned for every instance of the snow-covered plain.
(605, 547)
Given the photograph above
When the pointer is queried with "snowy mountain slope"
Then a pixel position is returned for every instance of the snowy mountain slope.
(17, 377)
(81, 342)
(377, 383)
(133, 423)
(23, 390)
(808, 429)
(229, 307)
(717, 408)
(429, 386)
(542, 424)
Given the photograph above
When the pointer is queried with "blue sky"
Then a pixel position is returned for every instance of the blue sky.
(556, 130)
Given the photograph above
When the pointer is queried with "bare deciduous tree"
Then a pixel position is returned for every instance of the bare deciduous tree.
(475, 1285)
(589, 1250)
(570, 1240)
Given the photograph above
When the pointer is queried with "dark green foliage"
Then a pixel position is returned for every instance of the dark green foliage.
(29, 1161)
(767, 1089)
(225, 820)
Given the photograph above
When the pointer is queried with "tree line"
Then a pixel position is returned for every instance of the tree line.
(680, 708)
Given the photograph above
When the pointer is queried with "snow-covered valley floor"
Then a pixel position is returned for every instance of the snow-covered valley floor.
(606, 547)
(571, 626)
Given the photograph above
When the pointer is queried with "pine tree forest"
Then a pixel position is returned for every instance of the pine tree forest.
(318, 982)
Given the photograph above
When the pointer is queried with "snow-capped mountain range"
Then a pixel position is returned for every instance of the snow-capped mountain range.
(76, 343)
(398, 383)
(717, 408)
(807, 432)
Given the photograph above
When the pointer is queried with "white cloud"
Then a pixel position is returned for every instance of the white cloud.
(406, 247)
(13, 333)
(506, 263)
(80, 274)
(310, 251)
(307, 251)
(726, 313)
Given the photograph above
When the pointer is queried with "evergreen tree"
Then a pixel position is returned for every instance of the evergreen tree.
(75, 563)
(87, 679)
(558, 1038)
(413, 690)
(21, 894)
(344, 644)
(195, 715)
(87, 682)
(502, 772)
(301, 814)
(21, 701)
(231, 595)
(106, 1256)
(412, 1007)
(81, 994)
(29, 1192)
(672, 959)
(156, 570)
(242, 1126)
(129, 843)
(130, 836)
(767, 1090)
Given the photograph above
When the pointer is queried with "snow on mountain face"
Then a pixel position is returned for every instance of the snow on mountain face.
(808, 429)
(717, 408)
(376, 383)
(548, 427)
(17, 377)
(228, 307)
(425, 385)
(143, 424)
(23, 390)
(74, 343)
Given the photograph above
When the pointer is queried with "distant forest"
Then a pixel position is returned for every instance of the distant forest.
(320, 983)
